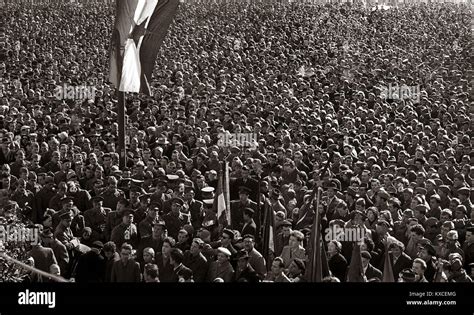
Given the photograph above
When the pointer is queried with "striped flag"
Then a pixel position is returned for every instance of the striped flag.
(268, 232)
(221, 203)
(140, 28)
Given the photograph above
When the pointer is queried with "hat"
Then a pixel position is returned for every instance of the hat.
(244, 190)
(230, 233)
(421, 190)
(452, 235)
(407, 275)
(464, 191)
(97, 199)
(383, 222)
(66, 200)
(208, 201)
(445, 189)
(366, 255)
(224, 251)
(249, 211)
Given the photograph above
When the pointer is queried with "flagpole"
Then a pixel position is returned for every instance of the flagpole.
(121, 129)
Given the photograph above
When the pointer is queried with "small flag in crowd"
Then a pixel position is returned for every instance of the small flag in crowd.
(140, 28)
(268, 231)
(356, 271)
(387, 268)
(221, 203)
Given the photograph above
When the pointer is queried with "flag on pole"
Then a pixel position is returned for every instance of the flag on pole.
(227, 192)
(140, 28)
(318, 266)
(387, 268)
(219, 201)
(356, 271)
(268, 232)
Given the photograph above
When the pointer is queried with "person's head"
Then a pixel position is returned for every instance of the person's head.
(396, 248)
(366, 257)
(148, 255)
(242, 259)
(248, 214)
(151, 273)
(427, 252)
(470, 235)
(297, 267)
(334, 247)
(196, 246)
(126, 253)
(243, 195)
(109, 249)
(176, 257)
(127, 217)
(296, 239)
(249, 242)
(419, 267)
(183, 236)
(168, 244)
(417, 232)
(223, 255)
(55, 270)
(86, 233)
(227, 237)
(278, 266)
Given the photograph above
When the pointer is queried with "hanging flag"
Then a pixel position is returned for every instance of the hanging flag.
(356, 271)
(140, 28)
(318, 266)
(387, 268)
(219, 200)
(268, 232)
(227, 192)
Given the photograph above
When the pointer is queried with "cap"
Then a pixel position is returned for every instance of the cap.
(97, 244)
(249, 211)
(224, 251)
(464, 191)
(429, 249)
(407, 275)
(230, 233)
(244, 190)
(366, 255)
(383, 222)
(66, 200)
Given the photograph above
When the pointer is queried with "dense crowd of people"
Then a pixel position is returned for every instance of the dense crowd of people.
(306, 81)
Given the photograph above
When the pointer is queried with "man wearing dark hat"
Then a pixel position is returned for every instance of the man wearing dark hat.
(244, 272)
(195, 207)
(370, 271)
(245, 181)
(60, 251)
(256, 260)
(237, 208)
(172, 219)
(95, 218)
(63, 232)
(125, 232)
(91, 266)
(140, 213)
(195, 260)
(427, 254)
(249, 224)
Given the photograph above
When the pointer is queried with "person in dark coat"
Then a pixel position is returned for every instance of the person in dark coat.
(172, 219)
(125, 232)
(337, 262)
(126, 269)
(60, 251)
(237, 208)
(43, 257)
(196, 261)
(370, 272)
(398, 258)
(247, 182)
(111, 256)
(181, 273)
(42, 199)
(91, 266)
(249, 224)
(245, 272)
(221, 268)
(195, 207)
(95, 218)
(162, 259)
(428, 253)
(283, 238)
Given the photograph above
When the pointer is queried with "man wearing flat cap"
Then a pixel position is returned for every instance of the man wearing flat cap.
(249, 224)
(95, 218)
(370, 271)
(221, 268)
(125, 232)
(195, 260)
(172, 219)
(237, 208)
(244, 272)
